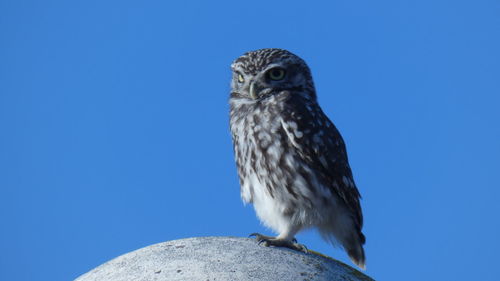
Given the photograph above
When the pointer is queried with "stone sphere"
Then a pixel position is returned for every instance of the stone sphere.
(218, 259)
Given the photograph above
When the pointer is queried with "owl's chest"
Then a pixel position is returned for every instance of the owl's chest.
(258, 139)
(263, 154)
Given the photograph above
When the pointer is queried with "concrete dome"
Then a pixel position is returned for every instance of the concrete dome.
(220, 258)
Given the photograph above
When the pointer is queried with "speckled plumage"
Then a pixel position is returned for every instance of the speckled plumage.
(291, 159)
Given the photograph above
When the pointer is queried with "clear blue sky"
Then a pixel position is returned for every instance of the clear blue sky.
(114, 127)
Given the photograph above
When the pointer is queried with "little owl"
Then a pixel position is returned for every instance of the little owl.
(291, 160)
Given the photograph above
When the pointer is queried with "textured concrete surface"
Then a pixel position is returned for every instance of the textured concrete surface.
(220, 258)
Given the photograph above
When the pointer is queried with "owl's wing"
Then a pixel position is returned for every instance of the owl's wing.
(319, 143)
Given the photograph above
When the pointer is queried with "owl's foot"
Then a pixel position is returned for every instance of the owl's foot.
(272, 241)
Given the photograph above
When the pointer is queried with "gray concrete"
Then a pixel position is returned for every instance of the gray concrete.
(220, 258)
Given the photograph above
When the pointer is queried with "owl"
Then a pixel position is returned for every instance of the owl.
(291, 159)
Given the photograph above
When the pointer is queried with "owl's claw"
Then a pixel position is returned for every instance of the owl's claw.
(272, 241)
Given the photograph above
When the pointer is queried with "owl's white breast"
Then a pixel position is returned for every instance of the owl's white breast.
(274, 178)
(255, 176)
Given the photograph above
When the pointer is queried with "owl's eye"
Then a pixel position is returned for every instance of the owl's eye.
(276, 74)
(241, 79)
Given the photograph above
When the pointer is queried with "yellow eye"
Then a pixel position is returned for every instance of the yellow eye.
(241, 79)
(276, 74)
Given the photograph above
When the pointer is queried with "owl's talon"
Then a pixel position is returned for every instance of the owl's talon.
(267, 241)
(259, 237)
(302, 248)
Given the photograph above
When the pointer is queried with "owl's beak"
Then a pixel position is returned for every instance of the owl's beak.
(255, 89)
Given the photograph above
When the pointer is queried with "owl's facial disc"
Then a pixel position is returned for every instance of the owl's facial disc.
(262, 83)
(260, 74)
(274, 77)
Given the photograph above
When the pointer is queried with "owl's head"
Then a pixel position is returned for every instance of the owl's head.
(262, 73)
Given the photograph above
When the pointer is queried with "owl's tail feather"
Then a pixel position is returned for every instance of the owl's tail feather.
(352, 241)
(357, 255)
